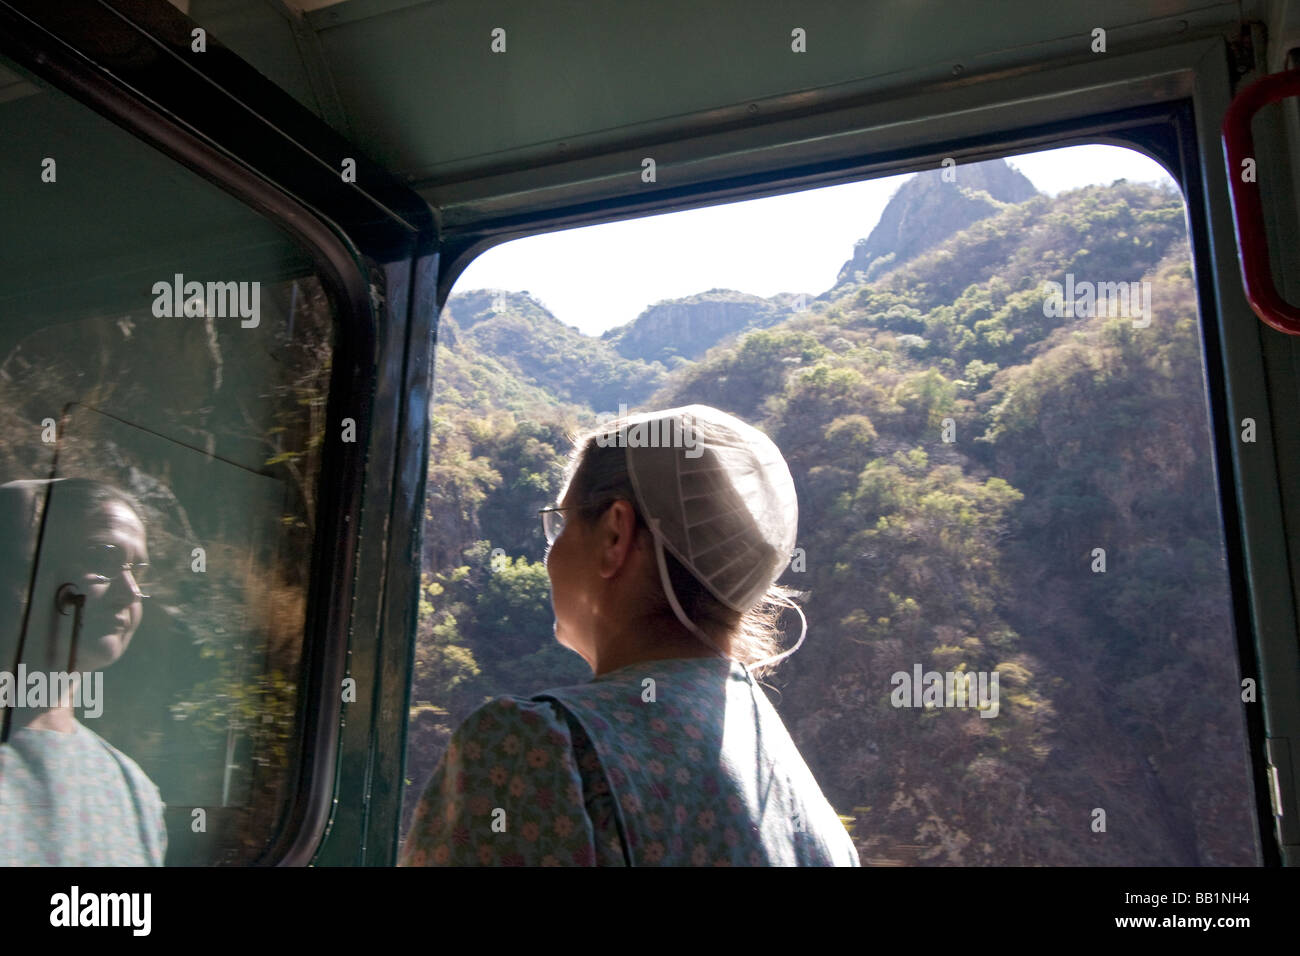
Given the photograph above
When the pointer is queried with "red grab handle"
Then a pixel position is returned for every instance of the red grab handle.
(1247, 210)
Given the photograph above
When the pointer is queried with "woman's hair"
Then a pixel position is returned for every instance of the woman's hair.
(81, 501)
(78, 503)
(597, 477)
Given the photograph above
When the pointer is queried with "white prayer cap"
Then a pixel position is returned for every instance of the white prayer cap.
(718, 495)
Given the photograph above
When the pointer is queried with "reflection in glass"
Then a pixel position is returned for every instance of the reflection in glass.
(67, 796)
(209, 417)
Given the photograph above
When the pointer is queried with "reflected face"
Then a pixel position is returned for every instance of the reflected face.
(113, 606)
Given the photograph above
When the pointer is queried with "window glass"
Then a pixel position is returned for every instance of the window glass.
(164, 364)
(993, 405)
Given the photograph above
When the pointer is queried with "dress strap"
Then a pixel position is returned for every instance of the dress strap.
(579, 736)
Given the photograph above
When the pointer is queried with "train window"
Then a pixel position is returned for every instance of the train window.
(164, 368)
(1021, 644)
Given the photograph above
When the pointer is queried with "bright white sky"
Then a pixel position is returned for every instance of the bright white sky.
(598, 277)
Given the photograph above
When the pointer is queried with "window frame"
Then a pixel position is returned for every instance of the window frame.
(1165, 106)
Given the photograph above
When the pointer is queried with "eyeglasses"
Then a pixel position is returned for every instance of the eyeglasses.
(552, 522)
(104, 563)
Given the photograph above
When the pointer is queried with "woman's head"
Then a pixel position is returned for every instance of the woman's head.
(94, 539)
(714, 474)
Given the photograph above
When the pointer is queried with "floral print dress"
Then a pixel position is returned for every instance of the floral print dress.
(679, 762)
(75, 800)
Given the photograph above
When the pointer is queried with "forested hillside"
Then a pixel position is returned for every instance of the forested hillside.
(679, 329)
(959, 456)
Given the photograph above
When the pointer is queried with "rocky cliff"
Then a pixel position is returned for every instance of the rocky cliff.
(687, 328)
(537, 349)
(926, 210)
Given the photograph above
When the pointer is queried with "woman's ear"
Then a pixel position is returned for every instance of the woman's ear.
(617, 536)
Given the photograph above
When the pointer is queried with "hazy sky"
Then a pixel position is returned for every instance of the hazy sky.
(598, 277)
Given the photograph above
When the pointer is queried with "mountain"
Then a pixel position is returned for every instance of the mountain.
(521, 335)
(926, 210)
(625, 365)
(687, 328)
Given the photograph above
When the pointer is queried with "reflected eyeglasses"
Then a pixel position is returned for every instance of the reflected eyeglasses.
(105, 562)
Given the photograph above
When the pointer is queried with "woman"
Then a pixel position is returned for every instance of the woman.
(672, 529)
(67, 796)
